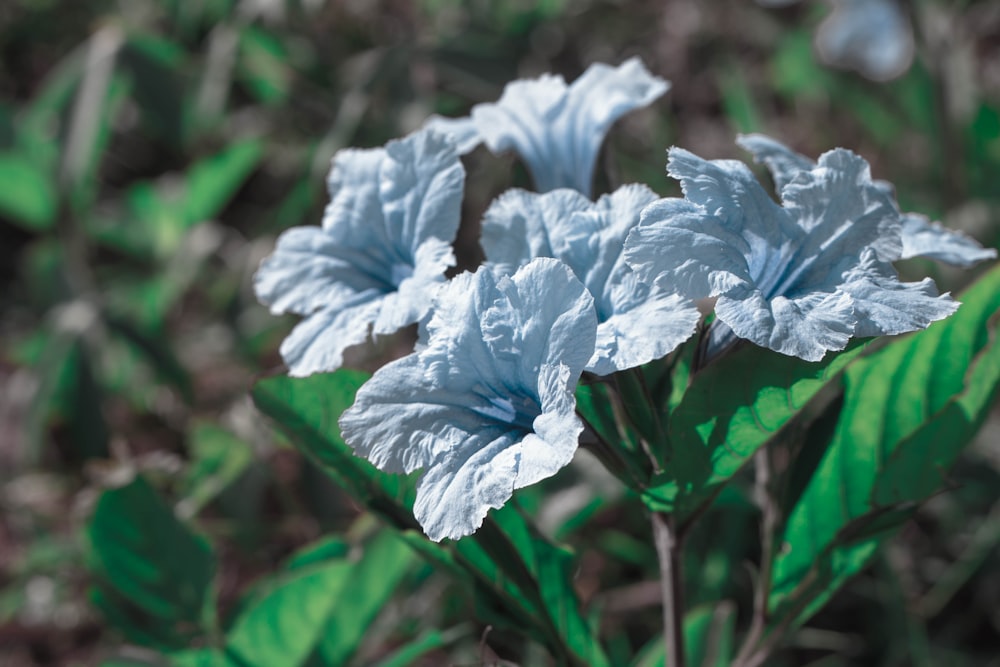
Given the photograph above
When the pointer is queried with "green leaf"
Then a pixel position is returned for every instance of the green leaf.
(908, 410)
(77, 399)
(374, 580)
(731, 409)
(284, 626)
(154, 575)
(28, 196)
(410, 653)
(218, 459)
(155, 349)
(307, 409)
(262, 66)
(212, 182)
(155, 65)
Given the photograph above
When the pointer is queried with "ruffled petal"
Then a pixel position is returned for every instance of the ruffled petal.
(783, 163)
(309, 270)
(680, 247)
(318, 342)
(519, 225)
(555, 128)
(807, 326)
(923, 238)
(886, 306)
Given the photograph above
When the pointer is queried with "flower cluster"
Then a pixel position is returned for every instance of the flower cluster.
(485, 405)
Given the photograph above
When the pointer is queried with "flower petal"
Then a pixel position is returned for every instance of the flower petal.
(886, 306)
(680, 247)
(806, 326)
(923, 238)
(783, 163)
(558, 129)
(318, 342)
(520, 225)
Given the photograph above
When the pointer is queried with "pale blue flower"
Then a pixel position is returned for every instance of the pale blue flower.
(801, 278)
(486, 406)
(378, 258)
(637, 321)
(873, 37)
(920, 236)
(557, 129)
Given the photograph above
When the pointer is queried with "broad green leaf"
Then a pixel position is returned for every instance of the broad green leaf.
(152, 571)
(28, 196)
(218, 458)
(283, 627)
(373, 581)
(731, 409)
(908, 410)
(708, 638)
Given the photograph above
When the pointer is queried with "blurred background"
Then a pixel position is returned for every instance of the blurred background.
(152, 150)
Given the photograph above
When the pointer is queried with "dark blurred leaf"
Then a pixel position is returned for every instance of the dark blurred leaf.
(218, 458)
(410, 653)
(262, 65)
(709, 633)
(79, 404)
(212, 182)
(308, 409)
(908, 410)
(737, 100)
(324, 549)
(155, 66)
(154, 575)
(156, 350)
(28, 197)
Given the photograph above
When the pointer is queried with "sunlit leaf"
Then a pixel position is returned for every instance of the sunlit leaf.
(908, 411)
(732, 408)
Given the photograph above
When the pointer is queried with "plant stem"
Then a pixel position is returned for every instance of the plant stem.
(770, 518)
(668, 550)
